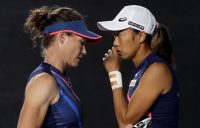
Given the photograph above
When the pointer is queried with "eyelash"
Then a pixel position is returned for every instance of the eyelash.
(82, 42)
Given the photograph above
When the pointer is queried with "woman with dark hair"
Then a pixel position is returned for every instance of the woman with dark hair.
(152, 98)
(50, 101)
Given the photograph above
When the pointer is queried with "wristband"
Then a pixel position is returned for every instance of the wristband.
(116, 78)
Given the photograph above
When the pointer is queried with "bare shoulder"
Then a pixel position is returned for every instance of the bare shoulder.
(40, 92)
(159, 69)
(159, 75)
(42, 87)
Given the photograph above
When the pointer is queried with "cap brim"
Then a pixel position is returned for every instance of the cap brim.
(111, 26)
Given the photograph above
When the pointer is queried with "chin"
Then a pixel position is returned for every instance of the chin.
(72, 65)
(124, 57)
(75, 64)
(127, 57)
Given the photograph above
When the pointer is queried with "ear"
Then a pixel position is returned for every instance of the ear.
(62, 37)
(142, 37)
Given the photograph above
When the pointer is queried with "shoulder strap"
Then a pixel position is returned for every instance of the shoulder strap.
(41, 68)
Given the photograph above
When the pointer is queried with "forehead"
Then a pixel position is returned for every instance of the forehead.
(82, 39)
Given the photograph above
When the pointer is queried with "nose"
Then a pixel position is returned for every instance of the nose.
(83, 51)
(116, 42)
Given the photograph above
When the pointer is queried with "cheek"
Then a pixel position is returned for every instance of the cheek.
(68, 52)
(126, 44)
(130, 47)
(75, 50)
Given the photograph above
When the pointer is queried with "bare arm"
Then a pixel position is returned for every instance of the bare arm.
(40, 92)
(155, 81)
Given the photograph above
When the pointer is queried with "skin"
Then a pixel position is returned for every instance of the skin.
(156, 80)
(42, 90)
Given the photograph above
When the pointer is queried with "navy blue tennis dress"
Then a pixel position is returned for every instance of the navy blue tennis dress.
(164, 112)
(66, 113)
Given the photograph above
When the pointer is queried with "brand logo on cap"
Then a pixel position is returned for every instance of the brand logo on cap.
(122, 19)
(136, 25)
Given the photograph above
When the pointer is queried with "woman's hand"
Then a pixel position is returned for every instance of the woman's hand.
(111, 60)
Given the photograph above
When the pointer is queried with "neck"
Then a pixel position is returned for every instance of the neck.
(141, 55)
(53, 59)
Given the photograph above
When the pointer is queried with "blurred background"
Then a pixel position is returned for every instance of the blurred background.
(18, 58)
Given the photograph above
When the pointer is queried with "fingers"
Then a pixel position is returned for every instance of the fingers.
(109, 51)
(106, 55)
(114, 51)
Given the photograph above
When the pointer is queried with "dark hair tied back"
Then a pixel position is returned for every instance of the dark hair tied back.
(161, 44)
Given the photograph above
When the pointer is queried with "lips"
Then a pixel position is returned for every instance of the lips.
(119, 52)
(79, 58)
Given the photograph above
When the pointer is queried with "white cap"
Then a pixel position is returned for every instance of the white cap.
(132, 16)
